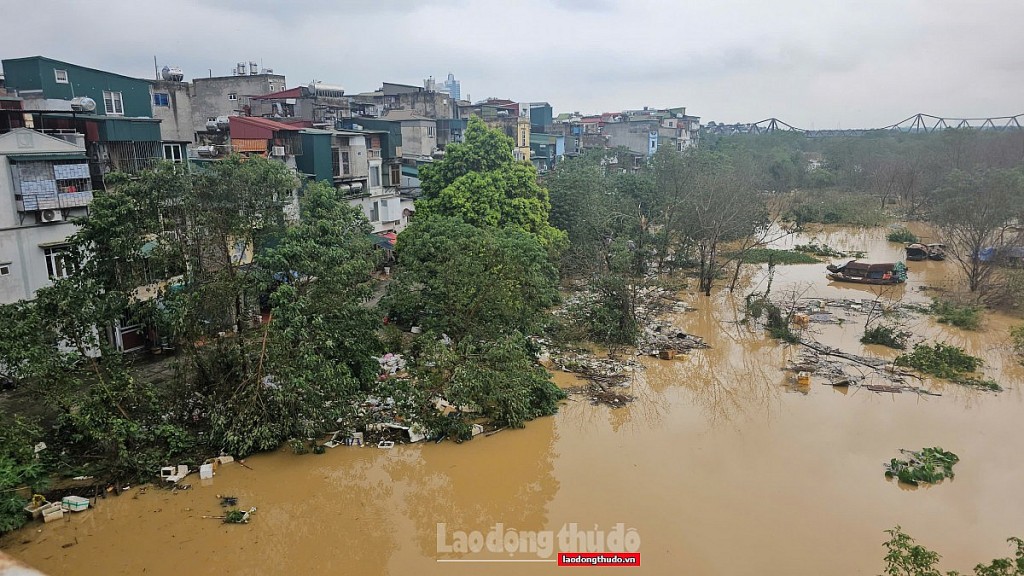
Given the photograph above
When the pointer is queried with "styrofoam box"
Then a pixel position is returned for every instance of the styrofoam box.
(75, 503)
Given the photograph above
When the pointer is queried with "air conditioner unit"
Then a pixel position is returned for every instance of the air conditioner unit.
(50, 216)
(277, 151)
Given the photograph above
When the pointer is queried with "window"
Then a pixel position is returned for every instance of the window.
(60, 76)
(345, 166)
(161, 99)
(232, 96)
(396, 174)
(374, 176)
(430, 131)
(5, 269)
(335, 162)
(112, 103)
(58, 262)
(375, 212)
(172, 152)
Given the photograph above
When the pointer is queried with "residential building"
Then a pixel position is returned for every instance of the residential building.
(44, 183)
(112, 112)
(171, 101)
(319, 104)
(370, 187)
(419, 133)
(644, 131)
(418, 99)
(218, 97)
(507, 116)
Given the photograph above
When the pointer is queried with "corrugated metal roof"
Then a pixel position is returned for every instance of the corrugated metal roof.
(47, 156)
(253, 127)
(283, 94)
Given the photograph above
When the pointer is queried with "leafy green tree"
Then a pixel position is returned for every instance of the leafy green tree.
(498, 379)
(470, 282)
(479, 182)
(320, 339)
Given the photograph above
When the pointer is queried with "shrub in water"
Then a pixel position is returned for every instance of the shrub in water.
(902, 235)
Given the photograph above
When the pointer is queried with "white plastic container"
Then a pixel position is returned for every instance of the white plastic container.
(75, 503)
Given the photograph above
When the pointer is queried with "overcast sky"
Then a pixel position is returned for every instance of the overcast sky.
(812, 63)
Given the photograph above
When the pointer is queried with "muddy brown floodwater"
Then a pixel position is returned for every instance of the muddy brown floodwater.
(722, 466)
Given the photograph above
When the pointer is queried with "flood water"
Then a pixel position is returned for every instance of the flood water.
(722, 466)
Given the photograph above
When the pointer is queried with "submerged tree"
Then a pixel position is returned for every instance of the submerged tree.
(978, 213)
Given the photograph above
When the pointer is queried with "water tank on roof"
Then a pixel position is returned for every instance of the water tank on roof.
(83, 104)
(172, 73)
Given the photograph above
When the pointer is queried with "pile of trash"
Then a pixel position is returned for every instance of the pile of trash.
(665, 341)
(391, 365)
(843, 369)
(606, 371)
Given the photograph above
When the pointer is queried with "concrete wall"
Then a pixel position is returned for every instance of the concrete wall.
(22, 239)
(176, 117)
(635, 136)
(419, 137)
(210, 95)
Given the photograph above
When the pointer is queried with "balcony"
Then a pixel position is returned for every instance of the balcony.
(52, 200)
(373, 153)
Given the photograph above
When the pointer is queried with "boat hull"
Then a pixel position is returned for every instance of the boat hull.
(855, 280)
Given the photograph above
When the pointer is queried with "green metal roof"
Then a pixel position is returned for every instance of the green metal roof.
(45, 157)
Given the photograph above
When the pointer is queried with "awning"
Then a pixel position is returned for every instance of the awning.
(383, 241)
(47, 157)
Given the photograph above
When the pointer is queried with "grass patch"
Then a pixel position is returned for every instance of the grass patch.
(929, 466)
(966, 317)
(834, 207)
(890, 336)
(902, 235)
(765, 255)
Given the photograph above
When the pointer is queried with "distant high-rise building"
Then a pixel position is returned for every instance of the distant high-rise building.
(452, 87)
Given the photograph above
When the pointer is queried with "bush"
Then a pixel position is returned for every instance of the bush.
(966, 317)
(18, 468)
(902, 235)
(942, 360)
(1017, 337)
(890, 336)
(905, 558)
(775, 323)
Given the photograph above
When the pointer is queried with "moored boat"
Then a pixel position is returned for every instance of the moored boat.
(935, 252)
(917, 252)
(864, 273)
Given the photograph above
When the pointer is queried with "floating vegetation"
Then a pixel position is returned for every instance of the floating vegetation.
(980, 383)
(902, 235)
(766, 255)
(929, 466)
(942, 360)
(884, 335)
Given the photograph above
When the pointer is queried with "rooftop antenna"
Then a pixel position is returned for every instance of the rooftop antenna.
(156, 71)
